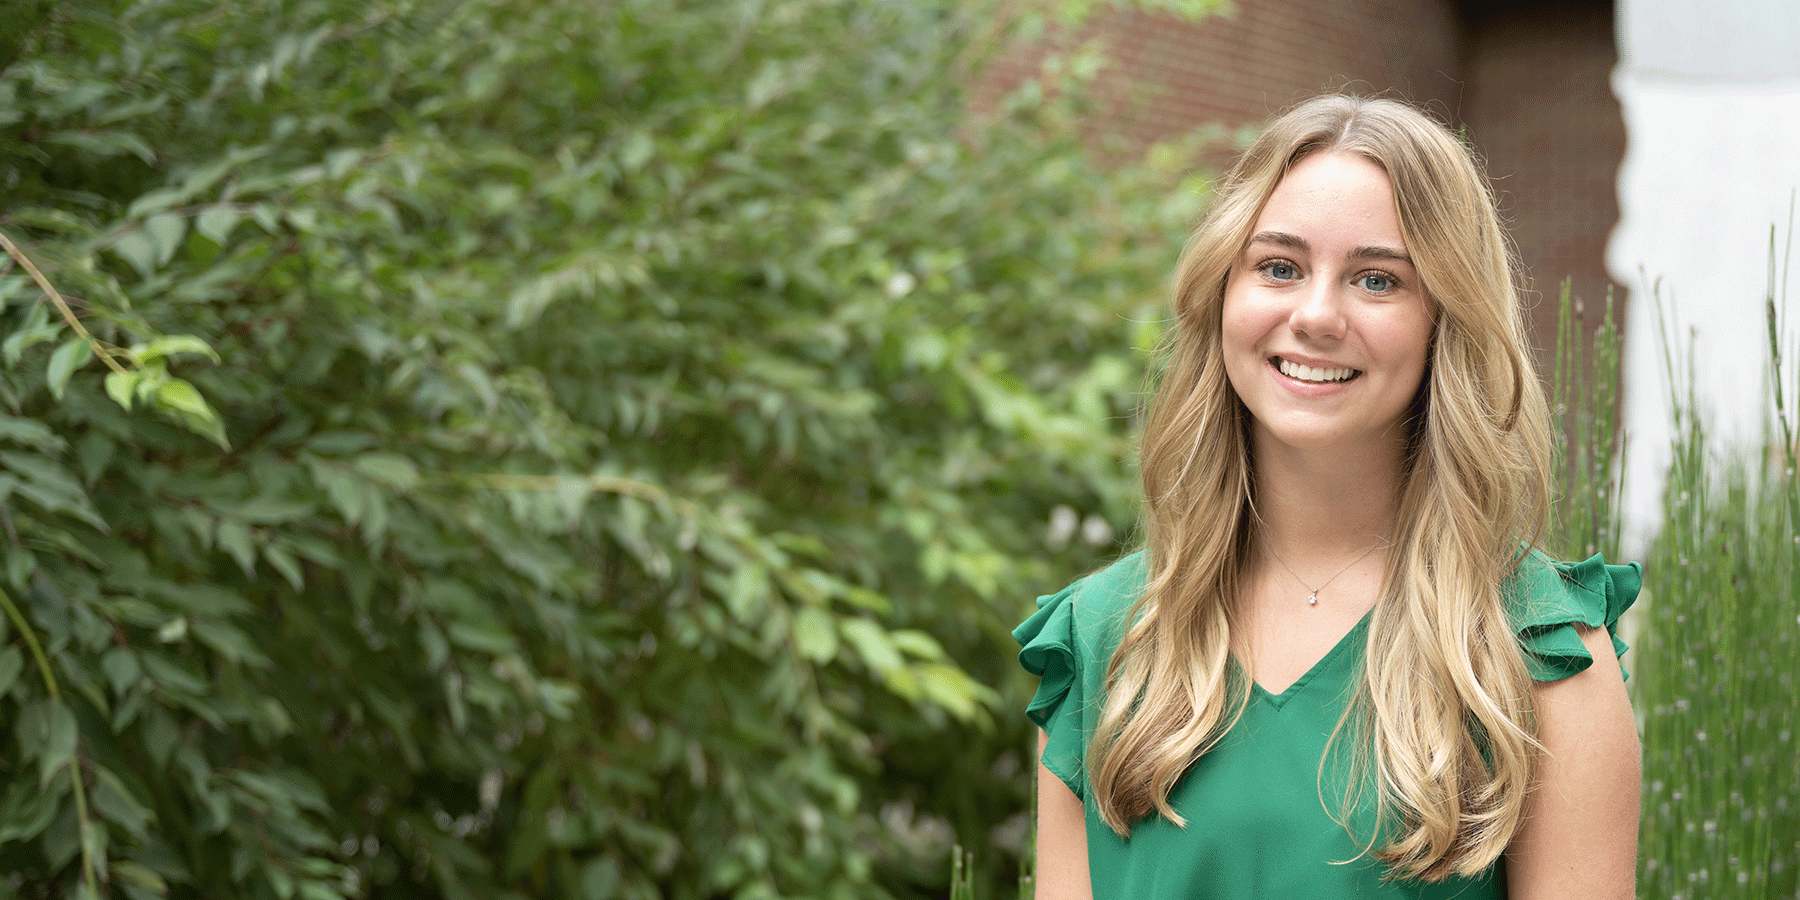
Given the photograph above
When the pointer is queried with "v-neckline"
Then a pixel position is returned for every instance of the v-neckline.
(1279, 700)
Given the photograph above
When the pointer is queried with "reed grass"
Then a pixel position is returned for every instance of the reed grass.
(1718, 682)
(1584, 398)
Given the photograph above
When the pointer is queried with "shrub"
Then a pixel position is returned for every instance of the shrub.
(538, 447)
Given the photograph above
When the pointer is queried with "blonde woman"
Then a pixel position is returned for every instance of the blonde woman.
(1338, 668)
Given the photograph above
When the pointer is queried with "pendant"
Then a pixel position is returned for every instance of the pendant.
(1312, 599)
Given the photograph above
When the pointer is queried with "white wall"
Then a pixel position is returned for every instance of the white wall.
(1710, 91)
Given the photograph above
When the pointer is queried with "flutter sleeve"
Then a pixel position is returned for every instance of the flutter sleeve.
(1049, 651)
(1549, 598)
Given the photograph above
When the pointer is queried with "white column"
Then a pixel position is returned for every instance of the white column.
(1710, 91)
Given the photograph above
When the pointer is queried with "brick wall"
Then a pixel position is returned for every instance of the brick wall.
(1239, 67)
(1539, 105)
(1530, 79)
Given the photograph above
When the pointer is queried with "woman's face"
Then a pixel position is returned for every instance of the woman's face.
(1326, 324)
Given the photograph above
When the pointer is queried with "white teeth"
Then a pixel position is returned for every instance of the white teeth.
(1308, 373)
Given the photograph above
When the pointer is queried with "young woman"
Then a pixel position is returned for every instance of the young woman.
(1337, 668)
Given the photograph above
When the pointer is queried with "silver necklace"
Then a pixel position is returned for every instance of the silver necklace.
(1312, 597)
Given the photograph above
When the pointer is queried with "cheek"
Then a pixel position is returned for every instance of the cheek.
(1242, 323)
(1417, 338)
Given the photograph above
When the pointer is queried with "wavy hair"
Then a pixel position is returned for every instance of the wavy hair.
(1441, 727)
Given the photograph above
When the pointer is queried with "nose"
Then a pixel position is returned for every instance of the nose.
(1319, 312)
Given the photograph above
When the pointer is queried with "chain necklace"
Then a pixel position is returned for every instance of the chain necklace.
(1312, 597)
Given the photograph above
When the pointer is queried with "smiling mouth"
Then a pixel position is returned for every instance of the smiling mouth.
(1308, 373)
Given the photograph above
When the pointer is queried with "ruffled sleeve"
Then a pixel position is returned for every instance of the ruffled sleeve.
(1549, 598)
(1049, 652)
(1067, 644)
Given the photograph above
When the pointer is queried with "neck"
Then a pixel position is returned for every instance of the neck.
(1326, 505)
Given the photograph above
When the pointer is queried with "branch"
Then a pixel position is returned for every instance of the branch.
(105, 353)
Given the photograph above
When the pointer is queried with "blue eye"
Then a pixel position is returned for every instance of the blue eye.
(1280, 271)
(1376, 282)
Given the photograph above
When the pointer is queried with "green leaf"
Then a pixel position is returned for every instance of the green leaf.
(179, 398)
(59, 741)
(132, 874)
(122, 386)
(234, 538)
(351, 496)
(11, 285)
(871, 643)
(121, 668)
(155, 202)
(62, 840)
(230, 641)
(111, 142)
(139, 249)
(952, 689)
(217, 222)
(160, 735)
(600, 878)
(45, 218)
(12, 662)
(815, 634)
(283, 562)
(390, 469)
(72, 355)
(28, 808)
(917, 644)
(481, 638)
(172, 345)
(50, 485)
(166, 231)
(114, 801)
(37, 329)
(267, 510)
(30, 432)
(21, 564)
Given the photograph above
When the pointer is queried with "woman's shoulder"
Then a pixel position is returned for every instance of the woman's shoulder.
(1119, 584)
(1092, 610)
(1102, 601)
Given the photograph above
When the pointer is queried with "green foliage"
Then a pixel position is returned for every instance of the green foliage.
(1585, 403)
(1716, 662)
(500, 448)
(1719, 681)
(1716, 656)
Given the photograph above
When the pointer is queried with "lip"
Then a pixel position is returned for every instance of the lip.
(1312, 361)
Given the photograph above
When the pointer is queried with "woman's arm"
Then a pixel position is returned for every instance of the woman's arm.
(1580, 832)
(1062, 864)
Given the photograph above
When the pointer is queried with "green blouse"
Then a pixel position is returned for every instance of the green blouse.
(1257, 826)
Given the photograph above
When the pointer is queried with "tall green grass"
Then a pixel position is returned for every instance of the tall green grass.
(1718, 671)
(1584, 399)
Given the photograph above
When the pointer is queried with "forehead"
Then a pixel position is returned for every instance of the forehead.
(1334, 197)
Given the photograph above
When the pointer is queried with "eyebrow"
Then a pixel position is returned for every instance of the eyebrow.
(1296, 242)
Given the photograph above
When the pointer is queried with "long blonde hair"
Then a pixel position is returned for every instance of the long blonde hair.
(1442, 717)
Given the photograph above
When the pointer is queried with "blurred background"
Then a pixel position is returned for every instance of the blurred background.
(537, 448)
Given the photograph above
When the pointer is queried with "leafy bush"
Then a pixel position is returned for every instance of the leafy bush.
(539, 447)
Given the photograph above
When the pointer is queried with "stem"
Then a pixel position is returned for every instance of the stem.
(62, 306)
(31, 641)
(83, 826)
